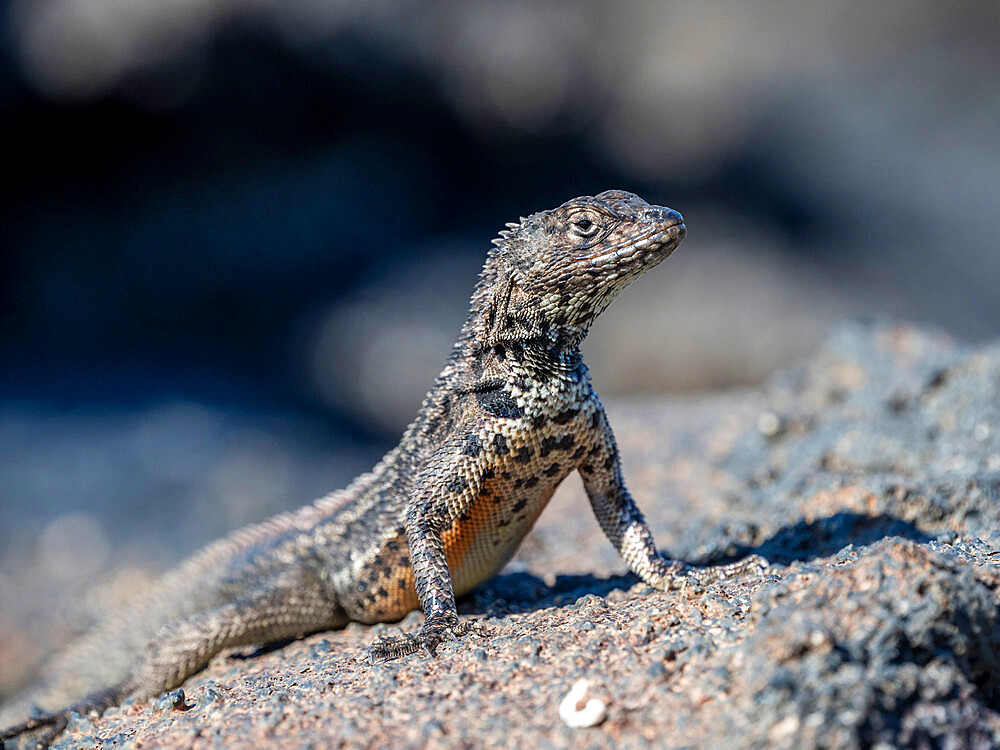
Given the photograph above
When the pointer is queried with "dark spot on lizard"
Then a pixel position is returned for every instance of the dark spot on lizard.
(565, 443)
(497, 402)
(548, 444)
(488, 473)
(519, 505)
(565, 416)
(473, 445)
(456, 484)
(552, 470)
(523, 455)
(578, 452)
(500, 351)
(500, 445)
(530, 482)
(611, 459)
(595, 419)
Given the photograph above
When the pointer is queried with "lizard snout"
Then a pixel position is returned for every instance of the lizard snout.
(671, 221)
(665, 217)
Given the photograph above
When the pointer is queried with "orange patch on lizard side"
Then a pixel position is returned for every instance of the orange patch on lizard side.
(460, 536)
(477, 546)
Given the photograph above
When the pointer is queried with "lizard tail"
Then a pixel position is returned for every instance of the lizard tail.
(110, 653)
(44, 728)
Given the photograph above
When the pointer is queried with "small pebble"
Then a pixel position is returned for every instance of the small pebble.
(172, 701)
(768, 424)
(578, 711)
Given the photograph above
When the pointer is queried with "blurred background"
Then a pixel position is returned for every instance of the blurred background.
(238, 237)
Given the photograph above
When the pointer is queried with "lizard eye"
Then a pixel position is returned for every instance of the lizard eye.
(583, 226)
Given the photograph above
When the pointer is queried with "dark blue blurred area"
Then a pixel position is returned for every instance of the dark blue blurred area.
(178, 249)
(238, 238)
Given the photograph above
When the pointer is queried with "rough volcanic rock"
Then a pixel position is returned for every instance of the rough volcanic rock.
(868, 477)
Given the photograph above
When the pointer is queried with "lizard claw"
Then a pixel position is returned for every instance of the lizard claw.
(386, 649)
(427, 640)
(45, 728)
(678, 575)
(391, 648)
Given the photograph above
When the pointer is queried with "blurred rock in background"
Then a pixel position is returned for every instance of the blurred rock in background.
(239, 237)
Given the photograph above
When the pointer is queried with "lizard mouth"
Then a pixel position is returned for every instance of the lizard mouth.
(657, 244)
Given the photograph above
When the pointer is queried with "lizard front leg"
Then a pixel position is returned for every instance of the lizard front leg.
(626, 528)
(432, 580)
(444, 490)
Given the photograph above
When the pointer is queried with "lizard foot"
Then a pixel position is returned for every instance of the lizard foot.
(45, 727)
(680, 575)
(427, 640)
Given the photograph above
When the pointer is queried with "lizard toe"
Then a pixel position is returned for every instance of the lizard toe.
(390, 648)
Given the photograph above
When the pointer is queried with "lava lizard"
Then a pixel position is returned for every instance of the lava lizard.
(512, 413)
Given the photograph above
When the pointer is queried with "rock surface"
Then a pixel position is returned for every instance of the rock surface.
(868, 477)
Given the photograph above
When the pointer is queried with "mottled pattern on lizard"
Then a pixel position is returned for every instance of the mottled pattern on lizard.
(512, 414)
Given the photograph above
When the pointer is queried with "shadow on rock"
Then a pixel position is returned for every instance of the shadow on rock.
(802, 542)
(808, 540)
(524, 592)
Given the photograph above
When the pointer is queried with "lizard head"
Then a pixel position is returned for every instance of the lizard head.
(564, 266)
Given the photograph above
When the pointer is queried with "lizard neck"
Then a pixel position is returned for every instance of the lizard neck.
(513, 336)
(517, 360)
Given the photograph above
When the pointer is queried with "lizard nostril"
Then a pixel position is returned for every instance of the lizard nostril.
(670, 217)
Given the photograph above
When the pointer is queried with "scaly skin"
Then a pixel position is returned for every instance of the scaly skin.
(512, 414)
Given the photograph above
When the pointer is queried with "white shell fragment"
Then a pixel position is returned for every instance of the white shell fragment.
(593, 712)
